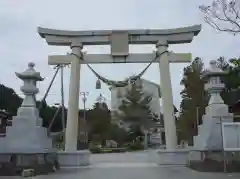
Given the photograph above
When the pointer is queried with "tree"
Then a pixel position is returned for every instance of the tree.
(135, 107)
(231, 93)
(120, 135)
(222, 64)
(99, 121)
(134, 132)
(194, 100)
(223, 15)
(232, 66)
(9, 100)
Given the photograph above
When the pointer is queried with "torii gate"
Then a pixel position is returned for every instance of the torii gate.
(119, 41)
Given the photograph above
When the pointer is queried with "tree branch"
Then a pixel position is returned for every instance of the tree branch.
(217, 27)
(227, 17)
(220, 11)
(236, 12)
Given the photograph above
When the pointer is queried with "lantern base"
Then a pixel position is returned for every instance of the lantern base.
(74, 159)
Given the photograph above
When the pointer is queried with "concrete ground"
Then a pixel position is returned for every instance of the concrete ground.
(139, 165)
(149, 156)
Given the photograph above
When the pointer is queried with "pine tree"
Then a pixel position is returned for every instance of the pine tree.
(135, 107)
(99, 121)
(231, 93)
(194, 100)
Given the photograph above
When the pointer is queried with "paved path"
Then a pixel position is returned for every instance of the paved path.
(140, 165)
(129, 157)
(137, 172)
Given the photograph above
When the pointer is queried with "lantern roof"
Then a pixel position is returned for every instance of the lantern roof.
(214, 70)
(30, 73)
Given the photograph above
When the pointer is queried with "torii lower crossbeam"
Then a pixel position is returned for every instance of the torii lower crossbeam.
(131, 58)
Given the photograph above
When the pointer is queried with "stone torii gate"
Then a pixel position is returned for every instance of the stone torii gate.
(119, 41)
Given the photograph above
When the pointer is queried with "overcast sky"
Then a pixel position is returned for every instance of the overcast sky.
(20, 42)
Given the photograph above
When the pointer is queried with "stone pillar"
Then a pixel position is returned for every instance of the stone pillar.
(73, 101)
(145, 139)
(167, 98)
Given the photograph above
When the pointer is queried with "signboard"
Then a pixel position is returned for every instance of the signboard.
(231, 136)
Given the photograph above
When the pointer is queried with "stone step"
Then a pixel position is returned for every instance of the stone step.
(21, 131)
(21, 120)
(30, 141)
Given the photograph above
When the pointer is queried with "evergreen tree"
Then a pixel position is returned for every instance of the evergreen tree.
(194, 100)
(9, 100)
(135, 107)
(120, 135)
(231, 93)
(99, 121)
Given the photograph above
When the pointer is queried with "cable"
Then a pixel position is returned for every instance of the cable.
(48, 89)
(120, 83)
(52, 121)
(62, 101)
(103, 79)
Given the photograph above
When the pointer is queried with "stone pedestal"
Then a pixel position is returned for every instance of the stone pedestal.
(27, 134)
(210, 132)
(74, 159)
(173, 157)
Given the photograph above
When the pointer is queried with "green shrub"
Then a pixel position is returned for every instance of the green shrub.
(106, 150)
(119, 150)
(114, 150)
(136, 146)
(94, 148)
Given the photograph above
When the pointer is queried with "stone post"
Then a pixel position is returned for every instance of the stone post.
(73, 102)
(145, 139)
(167, 98)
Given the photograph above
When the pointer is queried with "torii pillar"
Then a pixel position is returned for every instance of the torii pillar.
(167, 97)
(71, 135)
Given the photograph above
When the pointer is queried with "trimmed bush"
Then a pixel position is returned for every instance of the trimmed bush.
(113, 150)
(95, 150)
(28, 173)
(136, 146)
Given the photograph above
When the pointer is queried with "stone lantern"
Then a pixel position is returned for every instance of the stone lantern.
(29, 89)
(26, 132)
(26, 140)
(209, 136)
(214, 86)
